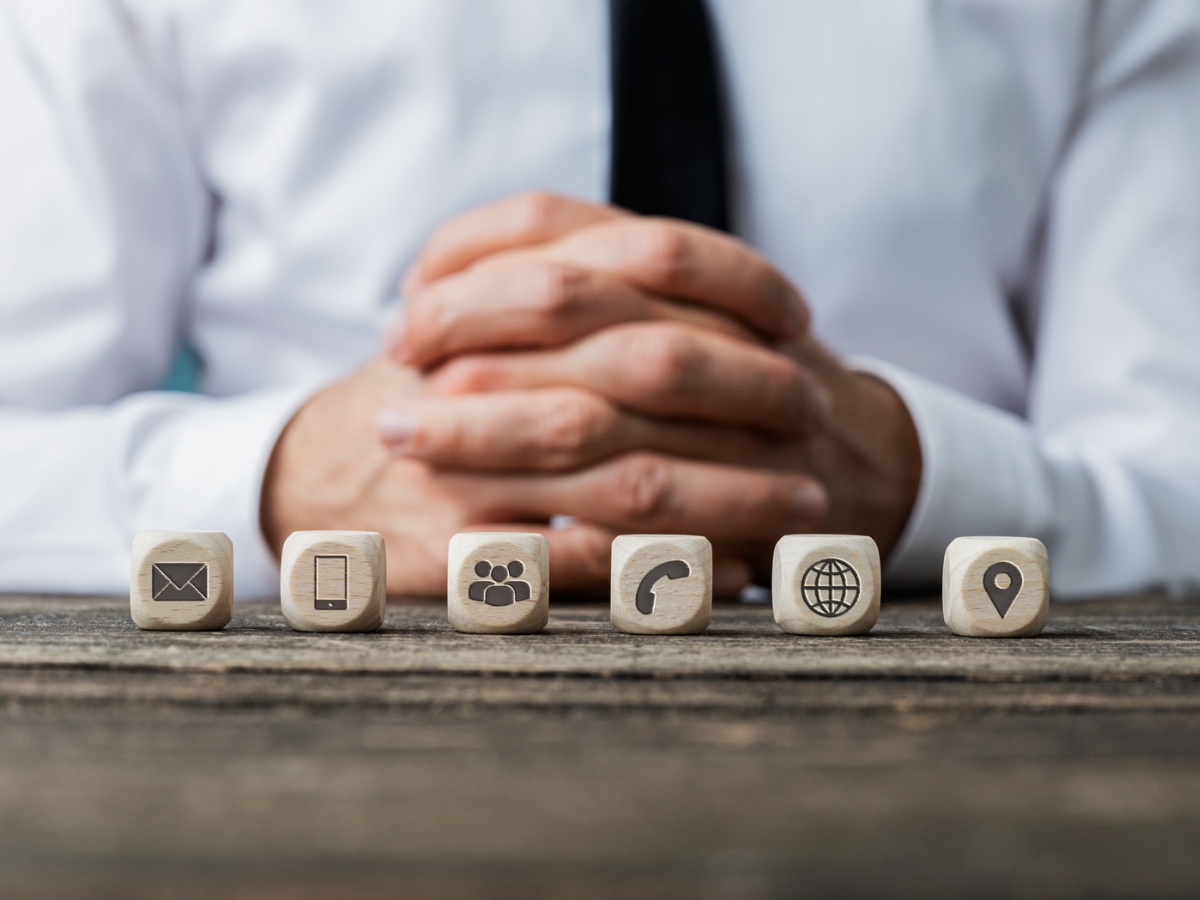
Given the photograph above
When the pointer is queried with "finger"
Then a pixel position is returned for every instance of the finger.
(547, 430)
(552, 430)
(520, 300)
(651, 493)
(674, 371)
(689, 262)
(529, 218)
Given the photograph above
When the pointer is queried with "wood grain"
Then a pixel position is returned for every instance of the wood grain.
(259, 762)
(210, 548)
(469, 549)
(966, 606)
(361, 564)
(795, 553)
(682, 605)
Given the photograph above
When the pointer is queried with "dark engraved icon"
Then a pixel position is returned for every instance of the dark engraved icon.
(675, 568)
(179, 581)
(1002, 581)
(830, 587)
(500, 591)
(330, 582)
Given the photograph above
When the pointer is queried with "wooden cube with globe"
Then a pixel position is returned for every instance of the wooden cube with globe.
(498, 582)
(826, 584)
(996, 586)
(661, 583)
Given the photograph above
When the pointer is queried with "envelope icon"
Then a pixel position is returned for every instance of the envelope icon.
(179, 581)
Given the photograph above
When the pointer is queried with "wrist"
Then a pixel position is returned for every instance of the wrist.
(870, 455)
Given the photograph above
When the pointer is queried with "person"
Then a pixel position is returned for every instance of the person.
(961, 296)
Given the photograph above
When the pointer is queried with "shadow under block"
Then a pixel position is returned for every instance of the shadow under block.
(333, 580)
(825, 584)
(498, 582)
(661, 583)
(181, 580)
(996, 586)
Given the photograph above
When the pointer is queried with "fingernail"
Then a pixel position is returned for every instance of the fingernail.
(808, 501)
(821, 413)
(729, 577)
(395, 427)
(560, 522)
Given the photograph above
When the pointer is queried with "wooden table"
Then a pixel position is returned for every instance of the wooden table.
(261, 763)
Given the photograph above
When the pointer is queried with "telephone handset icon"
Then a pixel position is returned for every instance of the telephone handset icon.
(675, 568)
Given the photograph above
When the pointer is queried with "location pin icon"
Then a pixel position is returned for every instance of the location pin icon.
(1002, 573)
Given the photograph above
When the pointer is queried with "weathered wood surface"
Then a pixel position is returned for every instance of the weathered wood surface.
(1107, 641)
(259, 762)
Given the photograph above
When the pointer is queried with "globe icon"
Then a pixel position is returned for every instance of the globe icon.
(830, 587)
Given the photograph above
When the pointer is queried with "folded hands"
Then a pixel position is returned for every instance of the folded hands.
(632, 374)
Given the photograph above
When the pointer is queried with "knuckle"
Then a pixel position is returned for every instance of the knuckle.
(783, 388)
(569, 425)
(667, 360)
(534, 212)
(641, 486)
(558, 290)
(665, 250)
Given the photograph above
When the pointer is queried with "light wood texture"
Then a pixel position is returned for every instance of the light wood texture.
(672, 602)
(333, 580)
(968, 608)
(838, 575)
(487, 594)
(181, 580)
(259, 763)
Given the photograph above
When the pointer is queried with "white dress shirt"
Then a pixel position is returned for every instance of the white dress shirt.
(993, 204)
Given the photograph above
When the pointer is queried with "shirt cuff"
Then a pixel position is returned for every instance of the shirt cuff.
(203, 471)
(982, 474)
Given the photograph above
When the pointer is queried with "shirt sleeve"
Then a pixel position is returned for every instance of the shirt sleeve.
(1105, 467)
(104, 218)
(77, 484)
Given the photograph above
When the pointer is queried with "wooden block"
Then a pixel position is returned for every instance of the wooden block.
(498, 582)
(825, 584)
(333, 580)
(181, 580)
(996, 586)
(661, 583)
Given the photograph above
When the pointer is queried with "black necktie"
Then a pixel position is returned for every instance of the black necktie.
(668, 152)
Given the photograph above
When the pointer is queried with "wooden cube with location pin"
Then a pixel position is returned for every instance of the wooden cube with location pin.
(996, 586)
(825, 584)
(181, 580)
(498, 582)
(661, 583)
(333, 580)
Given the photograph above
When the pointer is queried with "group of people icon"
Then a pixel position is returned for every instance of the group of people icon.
(502, 589)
